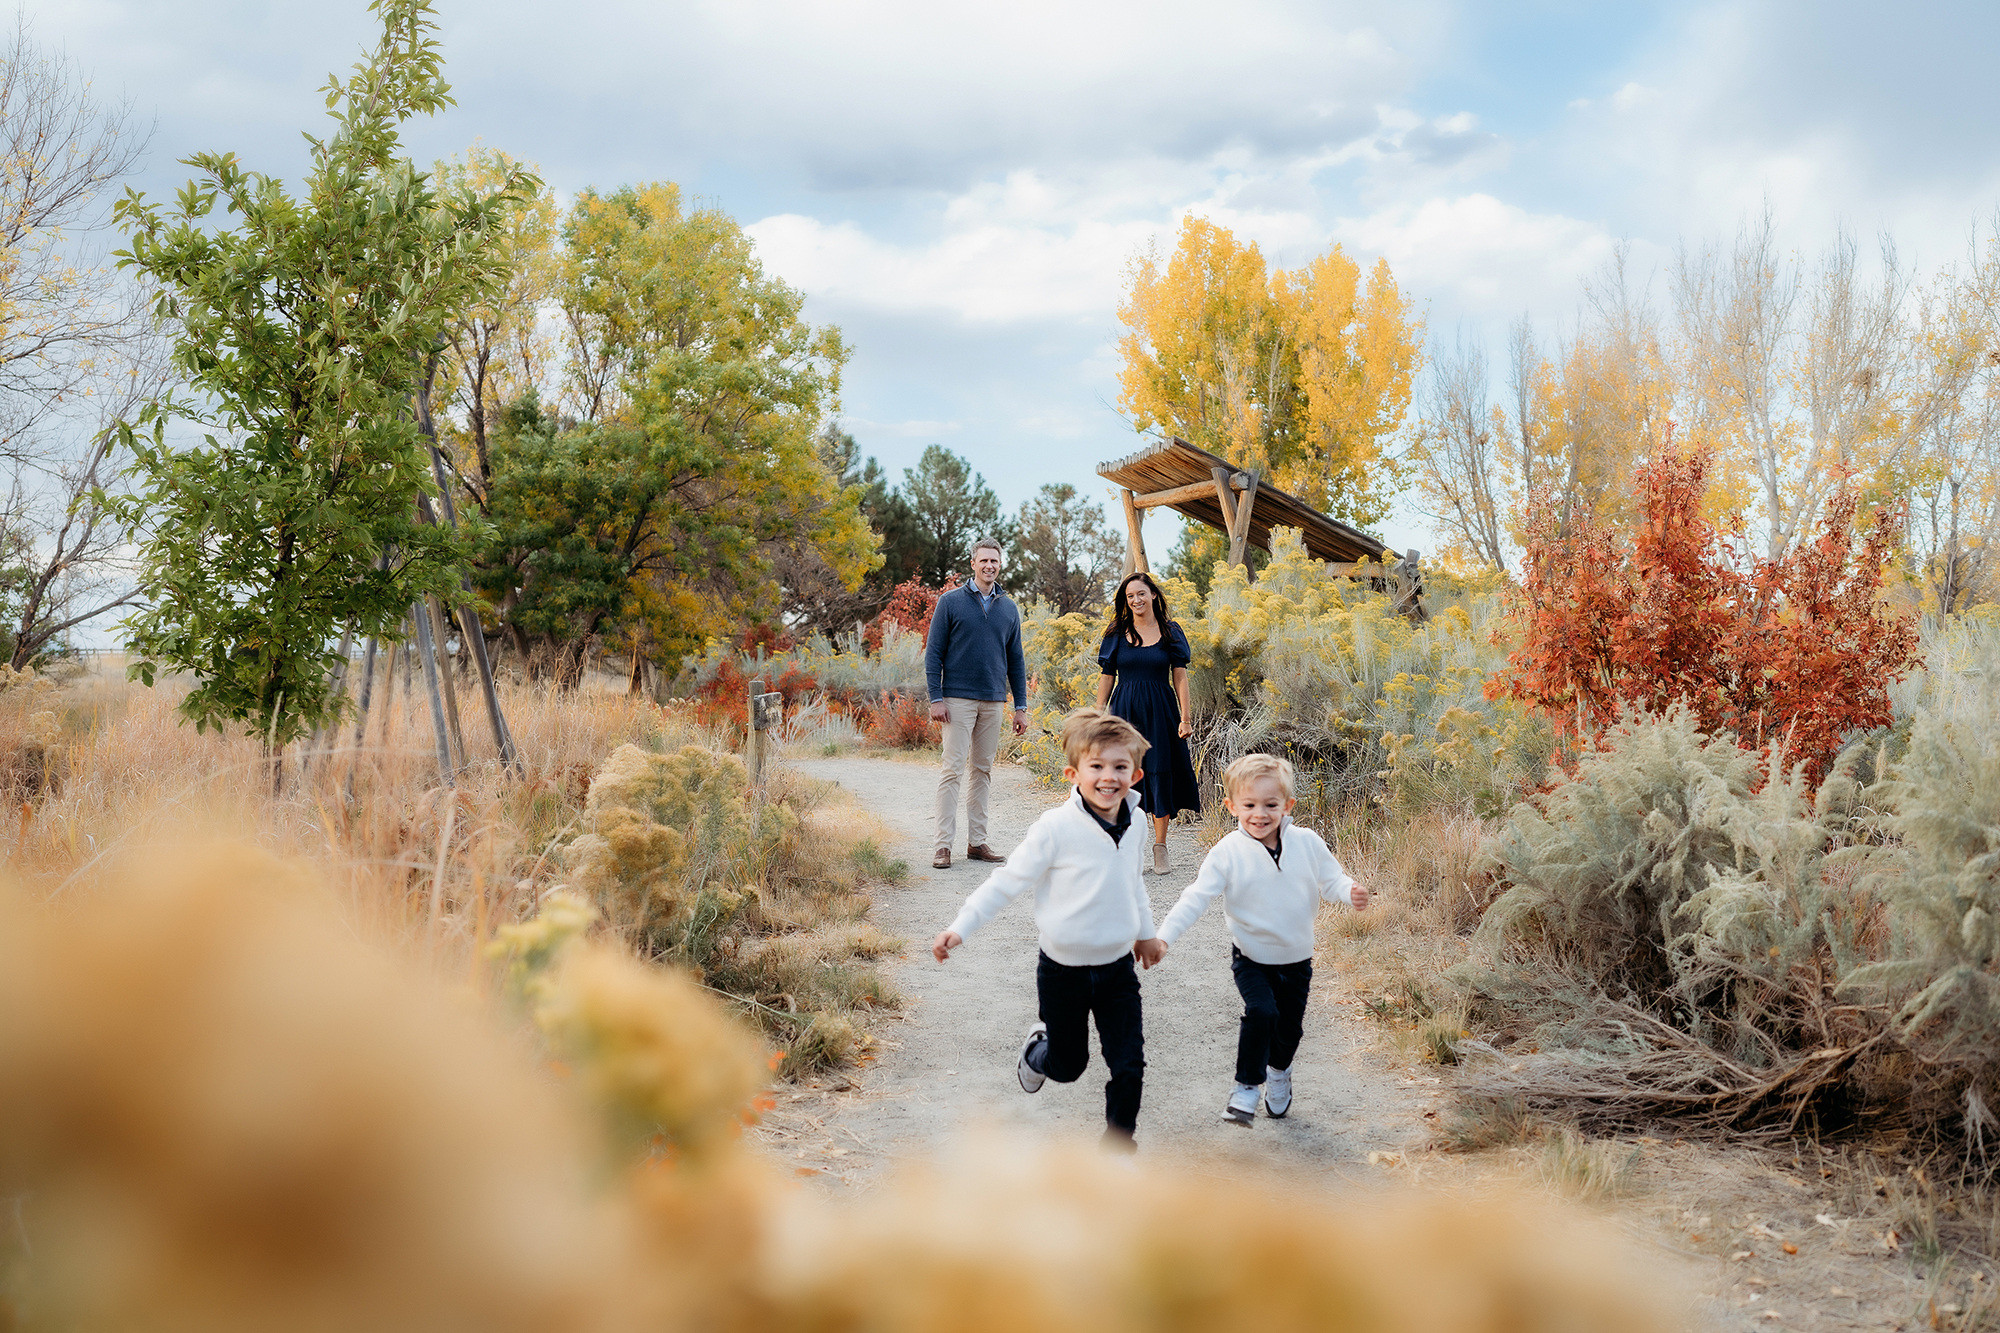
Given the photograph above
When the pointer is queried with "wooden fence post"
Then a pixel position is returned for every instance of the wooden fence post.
(763, 710)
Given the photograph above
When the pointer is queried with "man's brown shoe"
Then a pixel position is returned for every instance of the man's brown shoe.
(984, 853)
(942, 861)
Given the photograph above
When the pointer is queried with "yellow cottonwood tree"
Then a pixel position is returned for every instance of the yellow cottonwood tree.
(1201, 348)
(1302, 375)
(495, 351)
(1353, 350)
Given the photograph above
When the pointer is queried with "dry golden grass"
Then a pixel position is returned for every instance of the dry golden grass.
(416, 868)
(1426, 903)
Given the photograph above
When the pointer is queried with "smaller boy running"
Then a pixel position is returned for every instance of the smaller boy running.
(1093, 916)
(1271, 875)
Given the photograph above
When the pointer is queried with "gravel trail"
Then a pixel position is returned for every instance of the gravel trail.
(946, 1065)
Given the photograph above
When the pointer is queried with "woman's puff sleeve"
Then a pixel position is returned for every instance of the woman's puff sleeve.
(1178, 652)
(1107, 654)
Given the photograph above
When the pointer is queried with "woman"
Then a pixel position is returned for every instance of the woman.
(1145, 657)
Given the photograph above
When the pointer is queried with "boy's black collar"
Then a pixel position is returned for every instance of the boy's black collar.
(1117, 830)
(1278, 852)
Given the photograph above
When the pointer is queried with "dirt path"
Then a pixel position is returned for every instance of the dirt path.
(946, 1067)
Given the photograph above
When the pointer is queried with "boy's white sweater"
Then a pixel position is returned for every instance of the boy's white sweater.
(1090, 898)
(1269, 905)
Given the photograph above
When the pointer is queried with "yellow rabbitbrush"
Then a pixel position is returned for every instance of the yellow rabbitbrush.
(222, 1112)
(670, 854)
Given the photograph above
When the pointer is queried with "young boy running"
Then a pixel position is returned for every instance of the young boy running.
(1271, 875)
(1082, 860)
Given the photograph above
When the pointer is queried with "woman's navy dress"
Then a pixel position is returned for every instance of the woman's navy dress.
(1144, 696)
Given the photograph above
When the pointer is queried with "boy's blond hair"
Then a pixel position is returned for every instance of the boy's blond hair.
(1254, 767)
(1089, 729)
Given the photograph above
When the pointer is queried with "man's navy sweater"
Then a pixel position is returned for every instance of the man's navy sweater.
(974, 650)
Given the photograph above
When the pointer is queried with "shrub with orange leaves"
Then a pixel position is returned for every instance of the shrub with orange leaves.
(910, 607)
(901, 722)
(1796, 653)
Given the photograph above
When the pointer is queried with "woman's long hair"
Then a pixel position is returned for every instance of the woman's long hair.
(1121, 610)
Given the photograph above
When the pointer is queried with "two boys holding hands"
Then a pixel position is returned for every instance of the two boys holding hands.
(1095, 921)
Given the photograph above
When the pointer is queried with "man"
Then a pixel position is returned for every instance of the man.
(972, 660)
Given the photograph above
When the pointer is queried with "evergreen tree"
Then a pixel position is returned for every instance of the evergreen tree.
(952, 507)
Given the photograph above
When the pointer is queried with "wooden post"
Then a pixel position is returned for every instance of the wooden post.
(1239, 528)
(1410, 587)
(751, 759)
(426, 650)
(1135, 539)
(763, 711)
(1223, 497)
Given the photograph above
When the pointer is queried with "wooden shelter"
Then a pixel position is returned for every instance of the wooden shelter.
(1175, 475)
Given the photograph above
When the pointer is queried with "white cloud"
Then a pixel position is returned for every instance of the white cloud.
(1479, 254)
(985, 272)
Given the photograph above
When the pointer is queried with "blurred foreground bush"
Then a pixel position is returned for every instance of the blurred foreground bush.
(220, 1111)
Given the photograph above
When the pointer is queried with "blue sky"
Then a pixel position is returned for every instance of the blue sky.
(959, 187)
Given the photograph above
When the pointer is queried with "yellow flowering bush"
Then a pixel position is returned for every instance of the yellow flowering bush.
(1325, 671)
(671, 854)
(1061, 653)
(658, 1056)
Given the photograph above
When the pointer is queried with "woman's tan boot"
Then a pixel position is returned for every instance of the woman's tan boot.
(1159, 858)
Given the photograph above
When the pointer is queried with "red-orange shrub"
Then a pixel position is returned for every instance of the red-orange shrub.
(910, 606)
(1796, 652)
(900, 722)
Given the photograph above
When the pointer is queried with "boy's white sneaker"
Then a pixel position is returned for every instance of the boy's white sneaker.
(1031, 1077)
(1277, 1092)
(1242, 1108)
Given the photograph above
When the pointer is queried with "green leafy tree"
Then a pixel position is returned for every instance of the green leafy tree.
(701, 389)
(301, 331)
(815, 595)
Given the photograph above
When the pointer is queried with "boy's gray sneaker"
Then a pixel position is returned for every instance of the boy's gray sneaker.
(1242, 1108)
(1277, 1092)
(1036, 1045)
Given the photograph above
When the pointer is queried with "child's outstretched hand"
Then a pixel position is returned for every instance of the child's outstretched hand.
(1359, 897)
(946, 941)
(1149, 952)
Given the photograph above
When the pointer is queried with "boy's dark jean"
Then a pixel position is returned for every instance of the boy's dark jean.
(1274, 1012)
(1069, 997)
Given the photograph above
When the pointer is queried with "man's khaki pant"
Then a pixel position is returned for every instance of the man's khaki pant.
(971, 731)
